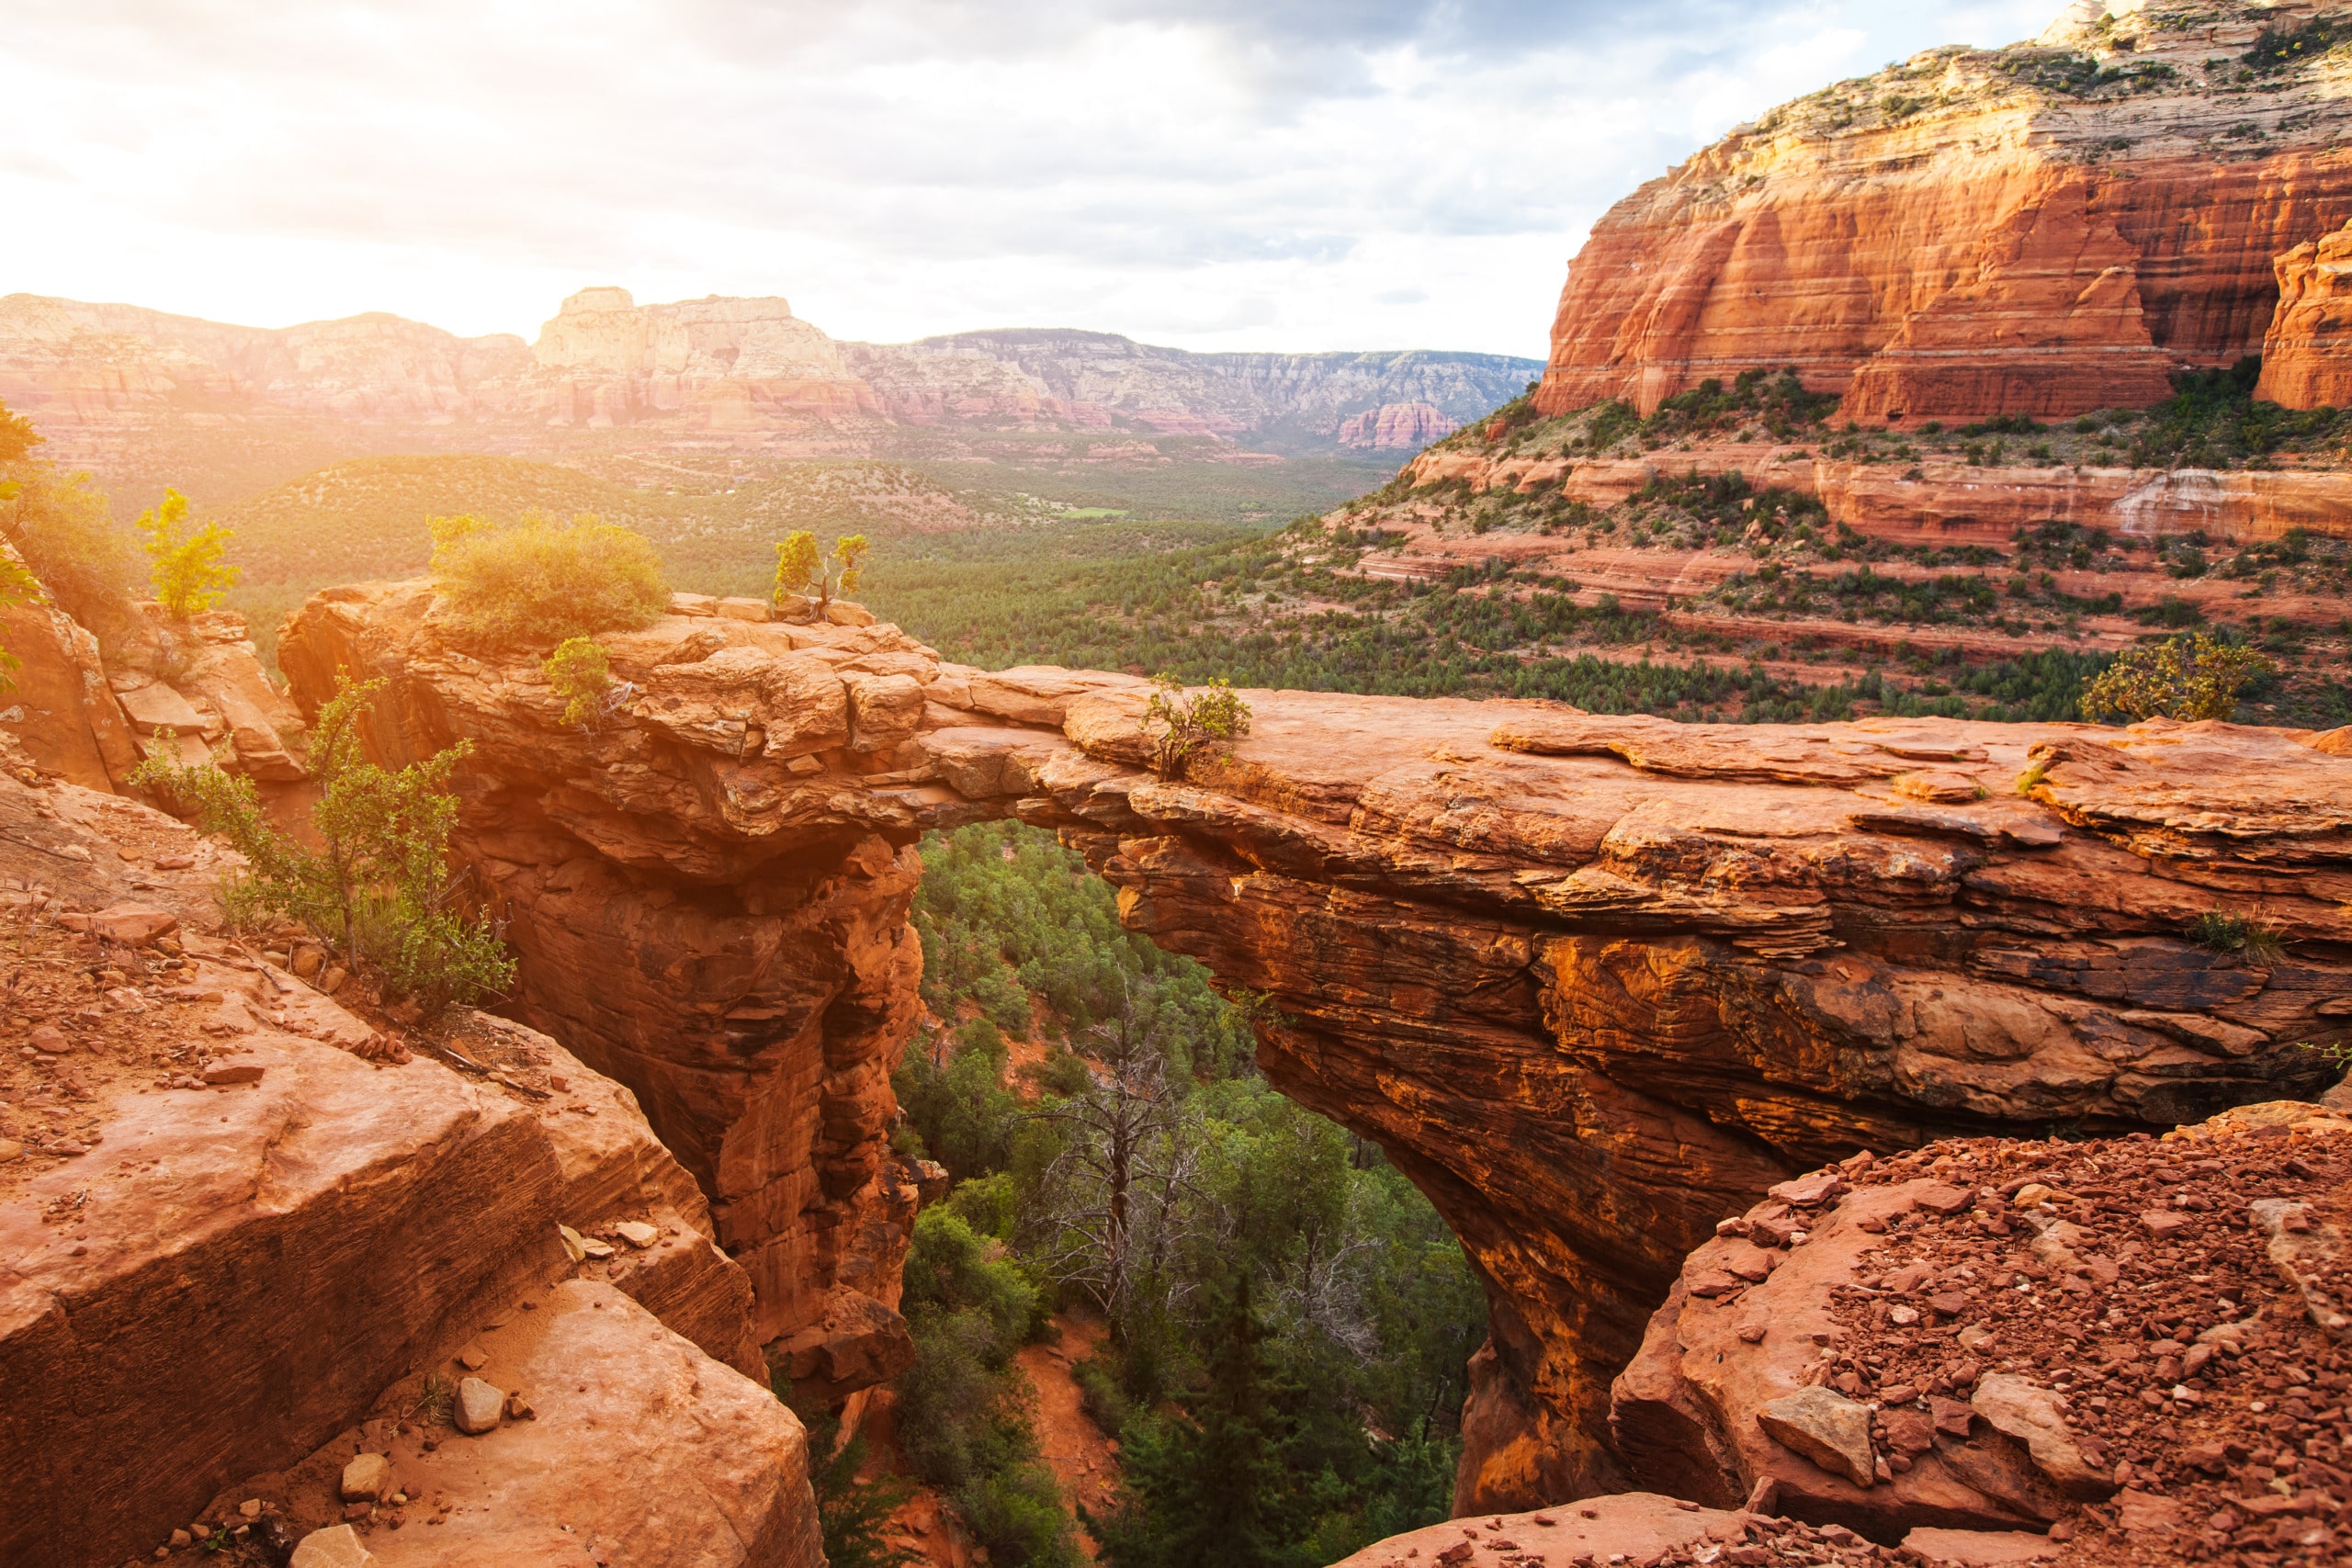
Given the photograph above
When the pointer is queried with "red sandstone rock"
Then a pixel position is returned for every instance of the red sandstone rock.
(319, 1227)
(1635, 1525)
(2307, 355)
(1657, 968)
(1945, 238)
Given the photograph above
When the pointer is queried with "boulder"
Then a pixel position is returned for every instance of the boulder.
(368, 1478)
(477, 1406)
(338, 1546)
(2016, 1406)
(1827, 1429)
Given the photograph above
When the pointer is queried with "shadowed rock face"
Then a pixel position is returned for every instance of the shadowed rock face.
(1593, 982)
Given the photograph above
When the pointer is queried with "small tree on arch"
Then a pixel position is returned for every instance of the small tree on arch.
(801, 568)
(1180, 721)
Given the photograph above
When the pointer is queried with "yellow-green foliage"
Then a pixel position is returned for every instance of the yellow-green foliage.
(1189, 721)
(2188, 677)
(800, 569)
(17, 586)
(581, 672)
(540, 583)
(186, 567)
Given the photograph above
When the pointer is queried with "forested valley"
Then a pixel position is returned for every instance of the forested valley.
(1288, 1319)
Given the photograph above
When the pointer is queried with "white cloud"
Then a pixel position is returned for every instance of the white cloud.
(1300, 175)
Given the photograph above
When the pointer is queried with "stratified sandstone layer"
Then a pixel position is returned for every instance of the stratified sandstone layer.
(1592, 982)
(2307, 355)
(2042, 230)
(233, 1221)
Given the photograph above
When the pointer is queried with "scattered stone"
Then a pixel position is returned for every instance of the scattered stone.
(251, 1507)
(122, 998)
(50, 1039)
(133, 925)
(638, 1234)
(479, 1407)
(366, 1478)
(1810, 1191)
(575, 1247)
(595, 1248)
(473, 1357)
(1940, 1198)
(1831, 1431)
(233, 1072)
(2137, 1510)
(334, 1547)
(2163, 1223)
(10, 1149)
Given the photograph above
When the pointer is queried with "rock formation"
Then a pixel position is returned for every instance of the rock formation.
(1593, 982)
(244, 1237)
(1940, 501)
(719, 368)
(2307, 355)
(1976, 232)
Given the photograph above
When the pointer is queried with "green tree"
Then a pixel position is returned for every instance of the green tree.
(185, 567)
(538, 582)
(852, 1512)
(378, 887)
(581, 670)
(1180, 722)
(2189, 677)
(1206, 1488)
(802, 570)
(17, 438)
(17, 586)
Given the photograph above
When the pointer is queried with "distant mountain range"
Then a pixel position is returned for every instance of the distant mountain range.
(714, 372)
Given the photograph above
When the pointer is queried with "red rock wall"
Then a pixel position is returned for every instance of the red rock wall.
(2009, 251)
(2307, 355)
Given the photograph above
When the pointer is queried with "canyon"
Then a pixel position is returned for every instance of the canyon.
(1592, 982)
(721, 373)
(2042, 230)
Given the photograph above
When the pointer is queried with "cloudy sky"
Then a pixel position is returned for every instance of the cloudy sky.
(1228, 173)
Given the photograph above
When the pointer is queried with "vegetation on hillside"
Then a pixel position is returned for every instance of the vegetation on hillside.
(372, 879)
(1291, 1321)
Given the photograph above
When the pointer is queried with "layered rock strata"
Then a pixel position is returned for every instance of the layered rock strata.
(2041, 230)
(2307, 354)
(1941, 501)
(234, 1221)
(1592, 982)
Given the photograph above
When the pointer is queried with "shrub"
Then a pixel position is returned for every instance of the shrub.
(582, 673)
(59, 525)
(1188, 721)
(17, 586)
(543, 583)
(378, 887)
(2190, 677)
(186, 568)
(2218, 931)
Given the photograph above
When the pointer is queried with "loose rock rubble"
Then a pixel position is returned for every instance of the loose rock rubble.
(2135, 1348)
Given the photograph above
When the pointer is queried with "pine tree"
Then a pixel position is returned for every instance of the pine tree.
(1209, 1489)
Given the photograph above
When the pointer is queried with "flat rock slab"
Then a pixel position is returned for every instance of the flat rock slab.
(1980, 1549)
(1634, 1524)
(642, 1444)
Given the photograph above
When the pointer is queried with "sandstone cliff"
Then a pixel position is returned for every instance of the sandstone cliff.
(245, 1237)
(2307, 354)
(1592, 983)
(2044, 230)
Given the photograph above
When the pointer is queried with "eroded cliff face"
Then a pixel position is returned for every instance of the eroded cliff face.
(1593, 982)
(2042, 230)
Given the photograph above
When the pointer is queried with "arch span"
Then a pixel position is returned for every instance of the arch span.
(1593, 982)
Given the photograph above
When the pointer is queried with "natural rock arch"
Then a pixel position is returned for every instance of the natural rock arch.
(1593, 982)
